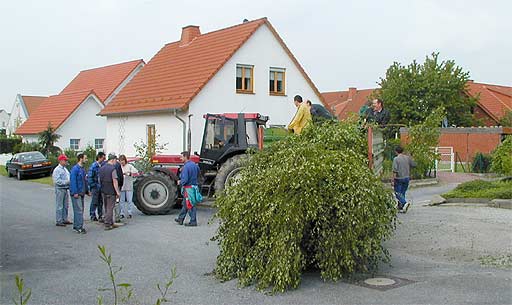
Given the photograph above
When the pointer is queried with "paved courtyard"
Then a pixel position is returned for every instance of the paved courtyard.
(436, 257)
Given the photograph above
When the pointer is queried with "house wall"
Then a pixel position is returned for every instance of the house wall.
(124, 132)
(4, 119)
(17, 116)
(466, 142)
(219, 96)
(83, 124)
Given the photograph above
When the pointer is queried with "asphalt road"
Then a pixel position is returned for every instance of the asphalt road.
(435, 252)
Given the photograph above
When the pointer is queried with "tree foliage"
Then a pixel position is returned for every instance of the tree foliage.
(306, 201)
(506, 120)
(423, 138)
(146, 152)
(502, 158)
(47, 139)
(412, 92)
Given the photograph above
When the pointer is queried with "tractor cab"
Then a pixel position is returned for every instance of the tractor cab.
(229, 134)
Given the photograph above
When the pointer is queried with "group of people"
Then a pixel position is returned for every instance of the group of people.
(372, 112)
(109, 181)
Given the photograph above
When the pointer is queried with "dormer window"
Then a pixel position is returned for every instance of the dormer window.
(244, 79)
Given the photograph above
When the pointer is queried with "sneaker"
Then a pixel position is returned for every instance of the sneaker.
(94, 218)
(108, 228)
(80, 231)
(101, 220)
(67, 222)
(60, 224)
(129, 216)
(191, 224)
(406, 207)
(122, 216)
(179, 221)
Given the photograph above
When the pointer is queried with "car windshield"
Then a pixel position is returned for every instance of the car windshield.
(32, 156)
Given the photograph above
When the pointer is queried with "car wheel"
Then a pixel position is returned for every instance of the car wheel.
(9, 174)
(19, 175)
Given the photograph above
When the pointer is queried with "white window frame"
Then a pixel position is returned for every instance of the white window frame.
(96, 146)
(72, 145)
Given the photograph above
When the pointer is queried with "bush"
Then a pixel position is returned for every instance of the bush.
(481, 163)
(482, 189)
(24, 146)
(8, 145)
(306, 201)
(422, 139)
(502, 157)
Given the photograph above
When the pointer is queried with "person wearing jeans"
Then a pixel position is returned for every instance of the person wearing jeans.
(60, 178)
(127, 189)
(94, 188)
(188, 178)
(109, 190)
(78, 189)
(402, 165)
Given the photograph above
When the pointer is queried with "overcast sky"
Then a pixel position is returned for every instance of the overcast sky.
(44, 44)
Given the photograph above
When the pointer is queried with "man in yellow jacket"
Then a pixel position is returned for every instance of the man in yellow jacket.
(302, 117)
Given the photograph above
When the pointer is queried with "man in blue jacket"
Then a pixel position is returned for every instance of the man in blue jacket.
(78, 189)
(94, 188)
(188, 179)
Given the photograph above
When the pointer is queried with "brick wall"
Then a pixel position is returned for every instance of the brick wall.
(466, 142)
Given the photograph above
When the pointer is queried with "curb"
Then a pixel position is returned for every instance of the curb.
(495, 203)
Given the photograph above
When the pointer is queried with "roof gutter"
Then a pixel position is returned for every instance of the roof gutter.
(184, 129)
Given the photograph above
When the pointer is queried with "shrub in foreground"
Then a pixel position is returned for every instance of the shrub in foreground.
(502, 158)
(308, 201)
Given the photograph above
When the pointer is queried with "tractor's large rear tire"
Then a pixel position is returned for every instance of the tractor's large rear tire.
(228, 172)
(154, 193)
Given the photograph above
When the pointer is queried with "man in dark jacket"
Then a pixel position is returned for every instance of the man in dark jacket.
(78, 189)
(188, 178)
(110, 190)
(378, 114)
(94, 188)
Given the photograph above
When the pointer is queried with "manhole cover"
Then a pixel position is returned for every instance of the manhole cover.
(379, 281)
(383, 283)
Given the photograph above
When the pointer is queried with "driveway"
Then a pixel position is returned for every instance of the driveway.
(435, 257)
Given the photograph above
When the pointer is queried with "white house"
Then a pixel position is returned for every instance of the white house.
(243, 68)
(4, 120)
(23, 106)
(73, 112)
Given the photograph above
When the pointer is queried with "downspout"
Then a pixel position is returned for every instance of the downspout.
(184, 129)
(189, 135)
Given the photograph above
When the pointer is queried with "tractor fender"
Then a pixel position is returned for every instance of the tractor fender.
(166, 171)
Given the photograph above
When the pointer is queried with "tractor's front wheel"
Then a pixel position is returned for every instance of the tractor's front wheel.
(154, 193)
(228, 172)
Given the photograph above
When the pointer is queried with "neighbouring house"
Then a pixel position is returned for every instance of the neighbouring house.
(466, 142)
(494, 101)
(4, 120)
(344, 103)
(73, 112)
(23, 107)
(242, 68)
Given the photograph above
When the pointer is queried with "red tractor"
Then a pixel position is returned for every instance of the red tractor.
(226, 139)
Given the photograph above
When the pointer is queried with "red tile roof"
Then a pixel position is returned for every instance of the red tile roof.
(495, 100)
(178, 72)
(32, 102)
(103, 80)
(54, 110)
(340, 104)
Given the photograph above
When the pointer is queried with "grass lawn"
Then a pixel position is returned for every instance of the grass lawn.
(482, 189)
(3, 172)
(43, 180)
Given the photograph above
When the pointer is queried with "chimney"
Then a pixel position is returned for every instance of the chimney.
(188, 33)
(351, 93)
